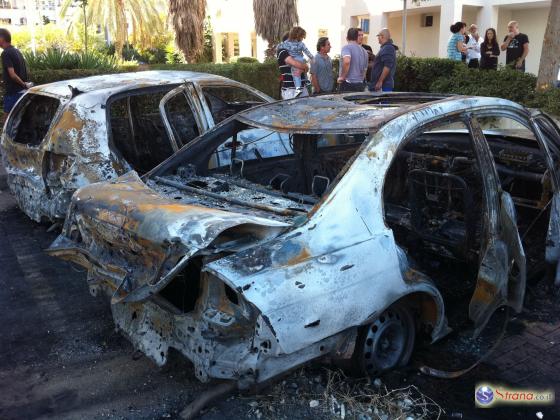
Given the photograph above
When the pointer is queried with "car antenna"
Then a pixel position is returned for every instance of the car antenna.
(75, 91)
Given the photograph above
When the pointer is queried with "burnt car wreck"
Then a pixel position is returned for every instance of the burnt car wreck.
(324, 227)
(64, 135)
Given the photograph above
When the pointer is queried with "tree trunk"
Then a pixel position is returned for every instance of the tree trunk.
(121, 27)
(550, 55)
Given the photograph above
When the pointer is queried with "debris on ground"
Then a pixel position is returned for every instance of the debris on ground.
(333, 395)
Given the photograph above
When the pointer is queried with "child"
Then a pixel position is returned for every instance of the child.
(295, 47)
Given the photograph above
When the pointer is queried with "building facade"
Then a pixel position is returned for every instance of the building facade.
(17, 13)
(427, 24)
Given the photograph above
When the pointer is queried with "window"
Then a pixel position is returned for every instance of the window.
(323, 33)
(5, 21)
(433, 193)
(181, 118)
(225, 101)
(32, 119)
(427, 21)
(137, 130)
(505, 126)
(364, 25)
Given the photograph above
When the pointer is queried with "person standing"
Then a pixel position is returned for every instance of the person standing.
(473, 47)
(456, 45)
(489, 51)
(371, 55)
(14, 71)
(353, 64)
(288, 88)
(321, 68)
(385, 65)
(296, 48)
(516, 46)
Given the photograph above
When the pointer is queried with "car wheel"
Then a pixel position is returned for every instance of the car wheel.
(386, 343)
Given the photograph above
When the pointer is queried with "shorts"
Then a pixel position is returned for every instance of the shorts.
(10, 100)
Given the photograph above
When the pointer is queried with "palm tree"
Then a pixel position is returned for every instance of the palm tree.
(142, 16)
(550, 55)
(273, 18)
(187, 17)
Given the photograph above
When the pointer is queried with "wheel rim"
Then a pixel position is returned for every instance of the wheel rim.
(387, 342)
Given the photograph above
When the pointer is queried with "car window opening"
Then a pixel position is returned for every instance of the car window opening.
(225, 101)
(34, 116)
(434, 203)
(279, 173)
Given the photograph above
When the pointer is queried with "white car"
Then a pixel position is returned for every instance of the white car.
(64, 135)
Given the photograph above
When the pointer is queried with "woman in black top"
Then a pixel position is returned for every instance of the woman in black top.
(489, 51)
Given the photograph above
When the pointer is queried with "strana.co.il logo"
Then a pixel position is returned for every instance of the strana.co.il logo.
(484, 395)
(487, 395)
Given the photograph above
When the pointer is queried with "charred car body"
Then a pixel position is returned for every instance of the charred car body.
(64, 135)
(250, 262)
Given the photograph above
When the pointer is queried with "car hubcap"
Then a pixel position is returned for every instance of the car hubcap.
(387, 342)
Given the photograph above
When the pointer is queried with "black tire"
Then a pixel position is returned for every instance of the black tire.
(386, 343)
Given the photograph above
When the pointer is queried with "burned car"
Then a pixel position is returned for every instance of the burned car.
(386, 219)
(64, 135)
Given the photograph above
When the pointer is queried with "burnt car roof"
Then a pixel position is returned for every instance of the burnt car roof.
(114, 83)
(351, 112)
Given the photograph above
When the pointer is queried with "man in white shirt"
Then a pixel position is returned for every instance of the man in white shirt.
(473, 47)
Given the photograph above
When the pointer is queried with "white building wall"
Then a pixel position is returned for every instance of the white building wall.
(421, 41)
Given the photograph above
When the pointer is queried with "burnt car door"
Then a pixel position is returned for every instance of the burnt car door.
(549, 135)
(523, 181)
(502, 273)
(26, 129)
(184, 115)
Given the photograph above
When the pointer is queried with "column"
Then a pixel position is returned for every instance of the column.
(488, 18)
(262, 45)
(230, 46)
(245, 44)
(217, 47)
(451, 12)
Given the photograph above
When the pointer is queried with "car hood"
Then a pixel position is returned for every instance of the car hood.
(140, 240)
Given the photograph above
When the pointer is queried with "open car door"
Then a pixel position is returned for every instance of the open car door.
(502, 274)
(549, 135)
(183, 115)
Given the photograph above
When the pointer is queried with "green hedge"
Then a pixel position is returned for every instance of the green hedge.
(413, 75)
(264, 77)
(417, 74)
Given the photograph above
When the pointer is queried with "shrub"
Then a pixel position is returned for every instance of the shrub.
(56, 59)
(417, 74)
(247, 60)
(263, 77)
(40, 77)
(548, 101)
(504, 83)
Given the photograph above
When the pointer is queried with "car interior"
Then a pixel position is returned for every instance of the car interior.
(435, 205)
(138, 130)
